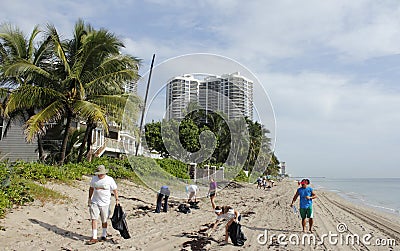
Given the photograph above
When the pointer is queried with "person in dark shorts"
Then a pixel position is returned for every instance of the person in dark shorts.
(306, 194)
(212, 192)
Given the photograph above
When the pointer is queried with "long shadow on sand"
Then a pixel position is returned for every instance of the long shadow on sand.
(59, 231)
(134, 199)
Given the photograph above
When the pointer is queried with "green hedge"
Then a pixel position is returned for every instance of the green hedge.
(174, 167)
(16, 178)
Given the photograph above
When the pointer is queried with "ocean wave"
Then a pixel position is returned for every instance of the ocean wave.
(384, 208)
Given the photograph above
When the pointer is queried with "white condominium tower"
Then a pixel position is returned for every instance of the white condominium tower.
(231, 94)
(181, 91)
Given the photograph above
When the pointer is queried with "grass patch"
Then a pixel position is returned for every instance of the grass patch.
(44, 194)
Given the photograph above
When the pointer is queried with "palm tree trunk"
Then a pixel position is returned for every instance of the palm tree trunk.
(65, 138)
(40, 149)
(31, 112)
(82, 146)
(89, 128)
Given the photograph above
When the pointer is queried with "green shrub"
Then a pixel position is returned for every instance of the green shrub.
(241, 177)
(18, 193)
(4, 204)
(174, 167)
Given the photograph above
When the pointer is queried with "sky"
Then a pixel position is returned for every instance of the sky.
(329, 68)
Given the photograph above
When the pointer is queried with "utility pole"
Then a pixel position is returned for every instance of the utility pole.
(144, 106)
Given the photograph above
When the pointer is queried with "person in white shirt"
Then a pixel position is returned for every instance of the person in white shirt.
(99, 200)
(225, 213)
(192, 190)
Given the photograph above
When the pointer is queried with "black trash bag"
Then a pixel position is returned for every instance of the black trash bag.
(119, 223)
(183, 209)
(236, 234)
(194, 204)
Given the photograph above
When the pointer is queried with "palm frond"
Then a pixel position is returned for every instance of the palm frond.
(58, 47)
(96, 46)
(113, 105)
(22, 68)
(37, 124)
(28, 96)
(4, 92)
(14, 40)
(86, 109)
(31, 47)
(3, 54)
(43, 51)
(110, 82)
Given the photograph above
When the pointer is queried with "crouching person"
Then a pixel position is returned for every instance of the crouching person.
(225, 213)
(164, 193)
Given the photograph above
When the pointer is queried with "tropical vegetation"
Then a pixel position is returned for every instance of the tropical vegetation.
(62, 81)
(247, 140)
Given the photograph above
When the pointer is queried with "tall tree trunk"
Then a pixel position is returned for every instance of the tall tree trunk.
(89, 128)
(31, 112)
(65, 138)
(40, 149)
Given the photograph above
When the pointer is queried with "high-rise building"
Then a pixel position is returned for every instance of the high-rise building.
(283, 168)
(231, 94)
(181, 91)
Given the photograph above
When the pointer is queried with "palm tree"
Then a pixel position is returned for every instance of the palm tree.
(85, 69)
(15, 48)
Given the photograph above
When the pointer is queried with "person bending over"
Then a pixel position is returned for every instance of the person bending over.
(225, 213)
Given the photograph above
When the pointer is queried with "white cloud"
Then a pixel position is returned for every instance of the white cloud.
(324, 118)
(357, 30)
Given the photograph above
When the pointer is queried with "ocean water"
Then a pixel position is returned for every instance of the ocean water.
(379, 193)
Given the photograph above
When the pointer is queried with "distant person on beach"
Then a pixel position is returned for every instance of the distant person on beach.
(99, 201)
(259, 182)
(164, 193)
(212, 192)
(225, 213)
(264, 182)
(306, 194)
(192, 190)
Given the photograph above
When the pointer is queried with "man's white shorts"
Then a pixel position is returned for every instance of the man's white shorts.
(96, 210)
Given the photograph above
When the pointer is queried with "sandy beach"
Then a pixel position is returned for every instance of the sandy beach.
(265, 213)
